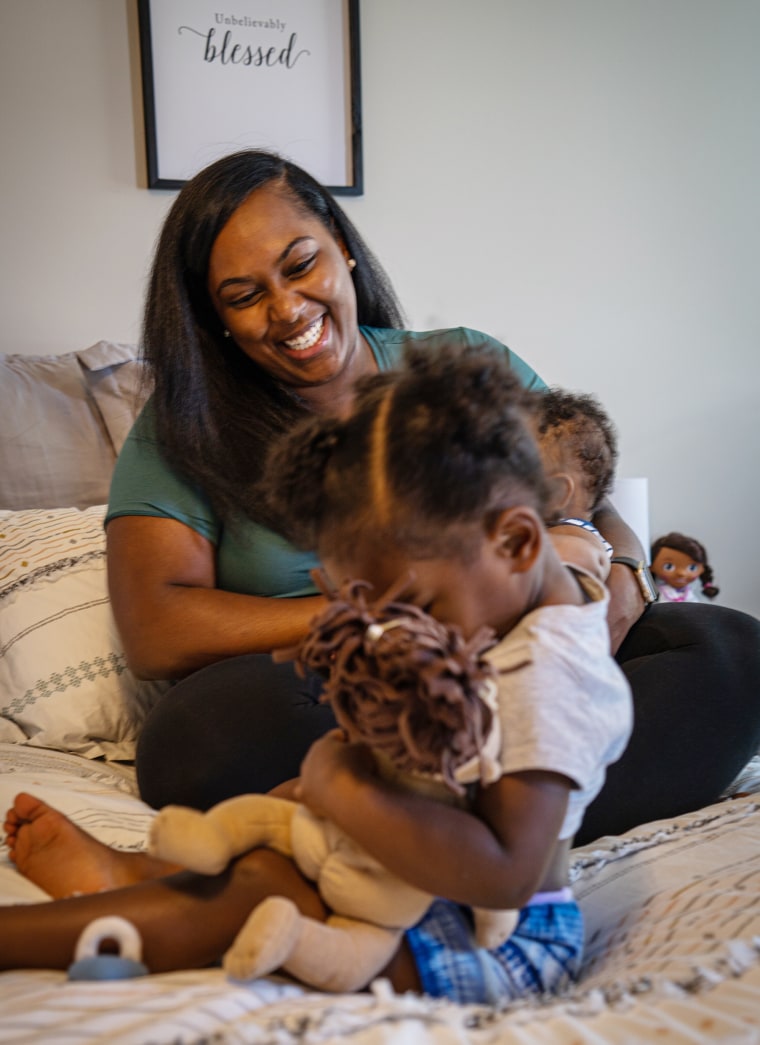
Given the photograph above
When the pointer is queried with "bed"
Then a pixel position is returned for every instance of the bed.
(672, 908)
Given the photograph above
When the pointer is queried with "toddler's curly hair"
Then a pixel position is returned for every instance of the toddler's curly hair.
(435, 445)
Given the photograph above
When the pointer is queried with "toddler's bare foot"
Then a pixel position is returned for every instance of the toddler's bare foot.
(53, 853)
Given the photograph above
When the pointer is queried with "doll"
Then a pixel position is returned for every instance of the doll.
(424, 700)
(578, 446)
(678, 562)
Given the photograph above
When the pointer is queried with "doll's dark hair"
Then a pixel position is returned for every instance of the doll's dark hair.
(440, 442)
(689, 546)
(578, 421)
(214, 410)
(399, 680)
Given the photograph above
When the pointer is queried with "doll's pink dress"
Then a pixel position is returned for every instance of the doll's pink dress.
(670, 594)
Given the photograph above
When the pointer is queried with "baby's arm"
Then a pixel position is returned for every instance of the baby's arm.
(497, 861)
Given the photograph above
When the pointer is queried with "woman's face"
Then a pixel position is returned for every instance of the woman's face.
(281, 285)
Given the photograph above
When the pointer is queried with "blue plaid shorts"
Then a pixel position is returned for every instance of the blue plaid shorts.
(542, 955)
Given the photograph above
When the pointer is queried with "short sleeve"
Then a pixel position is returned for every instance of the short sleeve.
(144, 484)
(388, 347)
(564, 703)
(527, 375)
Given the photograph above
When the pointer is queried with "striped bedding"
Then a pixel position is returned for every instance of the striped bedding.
(673, 927)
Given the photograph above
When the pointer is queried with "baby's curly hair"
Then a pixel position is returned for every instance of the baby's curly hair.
(437, 444)
(578, 422)
(398, 680)
(695, 550)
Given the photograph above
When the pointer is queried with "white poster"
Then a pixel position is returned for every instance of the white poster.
(273, 74)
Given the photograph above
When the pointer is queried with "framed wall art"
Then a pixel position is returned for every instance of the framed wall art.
(271, 74)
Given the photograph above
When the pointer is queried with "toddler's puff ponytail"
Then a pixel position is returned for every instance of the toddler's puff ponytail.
(294, 476)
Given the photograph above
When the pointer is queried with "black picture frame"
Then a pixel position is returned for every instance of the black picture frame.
(205, 94)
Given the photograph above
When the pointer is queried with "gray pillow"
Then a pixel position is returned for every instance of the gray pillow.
(63, 420)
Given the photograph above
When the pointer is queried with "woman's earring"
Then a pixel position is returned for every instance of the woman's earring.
(351, 262)
(226, 333)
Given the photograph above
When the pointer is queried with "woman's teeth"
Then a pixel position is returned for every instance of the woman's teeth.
(308, 338)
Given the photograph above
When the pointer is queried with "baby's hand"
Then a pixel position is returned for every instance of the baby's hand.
(328, 760)
(581, 548)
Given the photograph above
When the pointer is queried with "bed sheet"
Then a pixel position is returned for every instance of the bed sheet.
(673, 952)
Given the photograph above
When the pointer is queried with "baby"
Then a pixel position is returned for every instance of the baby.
(578, 445)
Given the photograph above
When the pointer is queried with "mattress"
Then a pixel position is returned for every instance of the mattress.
(672, 912)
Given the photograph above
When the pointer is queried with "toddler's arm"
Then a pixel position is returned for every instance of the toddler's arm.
(498, 861)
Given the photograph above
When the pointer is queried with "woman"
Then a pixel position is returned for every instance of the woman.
(264, 304)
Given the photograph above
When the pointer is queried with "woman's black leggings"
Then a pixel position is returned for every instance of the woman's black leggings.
(245, 724)
(694, 671)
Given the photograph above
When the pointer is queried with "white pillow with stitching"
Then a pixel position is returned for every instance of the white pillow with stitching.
(64, 682)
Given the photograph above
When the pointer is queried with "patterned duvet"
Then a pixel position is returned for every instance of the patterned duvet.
(673, 916)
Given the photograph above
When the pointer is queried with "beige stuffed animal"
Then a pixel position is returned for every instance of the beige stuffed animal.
(382, 665)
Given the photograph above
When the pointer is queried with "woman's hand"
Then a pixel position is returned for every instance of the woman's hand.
(332, 762)
(626, 603)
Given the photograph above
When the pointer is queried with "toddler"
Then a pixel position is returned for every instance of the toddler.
(435, 478)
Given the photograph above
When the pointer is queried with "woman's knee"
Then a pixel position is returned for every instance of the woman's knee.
(241, 725)
(715, 631)
(695, 676)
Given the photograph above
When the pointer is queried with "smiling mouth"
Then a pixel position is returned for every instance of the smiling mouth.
(309, 338)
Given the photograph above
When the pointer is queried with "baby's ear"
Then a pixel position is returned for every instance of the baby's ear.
(562, 487)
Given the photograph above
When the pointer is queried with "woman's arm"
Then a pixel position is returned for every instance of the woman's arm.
(498, 861)
(626, 601)
(171, 618)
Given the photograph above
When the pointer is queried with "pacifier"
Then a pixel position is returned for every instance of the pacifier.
(90, 964)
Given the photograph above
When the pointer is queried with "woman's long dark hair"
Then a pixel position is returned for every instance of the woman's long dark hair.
(215, 411)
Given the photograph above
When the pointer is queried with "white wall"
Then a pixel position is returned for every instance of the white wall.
(577, 177)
